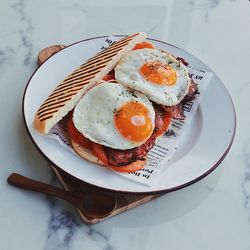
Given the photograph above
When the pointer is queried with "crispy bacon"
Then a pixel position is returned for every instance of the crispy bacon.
(124, 157)
(192, 91)
(177, 111)
(159, 117)
(182, 60)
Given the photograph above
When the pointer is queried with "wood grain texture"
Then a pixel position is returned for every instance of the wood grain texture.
(125, 202)
(70, 183)
(45, 53)
(96, 204)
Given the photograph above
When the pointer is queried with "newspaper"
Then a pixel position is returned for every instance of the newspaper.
(159, 157)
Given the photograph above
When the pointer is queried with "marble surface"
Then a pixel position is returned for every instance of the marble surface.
(211, 214)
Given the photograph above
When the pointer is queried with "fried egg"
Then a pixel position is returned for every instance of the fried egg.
(155, 73)
(114, 116)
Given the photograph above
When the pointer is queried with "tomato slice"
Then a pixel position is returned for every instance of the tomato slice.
(77, 136)
(166, 123)
(109, 77)
(97, 149)
(134, 166)
(144, 45)
(99, 152)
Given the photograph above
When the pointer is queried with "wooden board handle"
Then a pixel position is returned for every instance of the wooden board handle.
(20, 181)
(48, 52)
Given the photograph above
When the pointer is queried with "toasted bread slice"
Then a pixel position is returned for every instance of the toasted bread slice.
(66, 95)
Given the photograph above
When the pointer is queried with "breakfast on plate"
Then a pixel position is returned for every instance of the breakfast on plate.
(119, 102)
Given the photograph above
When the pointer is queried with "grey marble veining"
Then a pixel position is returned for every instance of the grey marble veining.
(97, 235)
(61, 228)
(2, 57)
(5, 56)
(26, 28)
(62, 223)
(210, 6)
(246, 180)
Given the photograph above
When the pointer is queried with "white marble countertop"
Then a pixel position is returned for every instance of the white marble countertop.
(211, 214)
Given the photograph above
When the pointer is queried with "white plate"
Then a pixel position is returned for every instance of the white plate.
(210, 138)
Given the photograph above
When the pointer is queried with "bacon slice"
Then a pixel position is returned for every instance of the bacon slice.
(124, 157)
(192, 91)
(177, 111)
(182, 60)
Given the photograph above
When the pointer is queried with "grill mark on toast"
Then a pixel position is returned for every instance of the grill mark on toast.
(45, 110)
(63, 87)
(93, 64)
(89, 73)
(46, 118)
(106, 52)
(114, 47)
(70, 91)
(105, 58)
(66, 88)
(66, 98)
(55, 97)
(101, 64)
(77, 75)
(56, 100)
(67, 95)
(119, 43)
(50, 111)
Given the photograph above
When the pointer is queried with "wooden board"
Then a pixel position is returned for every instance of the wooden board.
(124, 201)
(70, 183)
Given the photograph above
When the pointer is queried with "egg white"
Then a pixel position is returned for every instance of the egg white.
(127, 72)
(94, 114)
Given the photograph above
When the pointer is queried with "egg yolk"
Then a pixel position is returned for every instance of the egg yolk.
(159, 73)
(133, 122)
